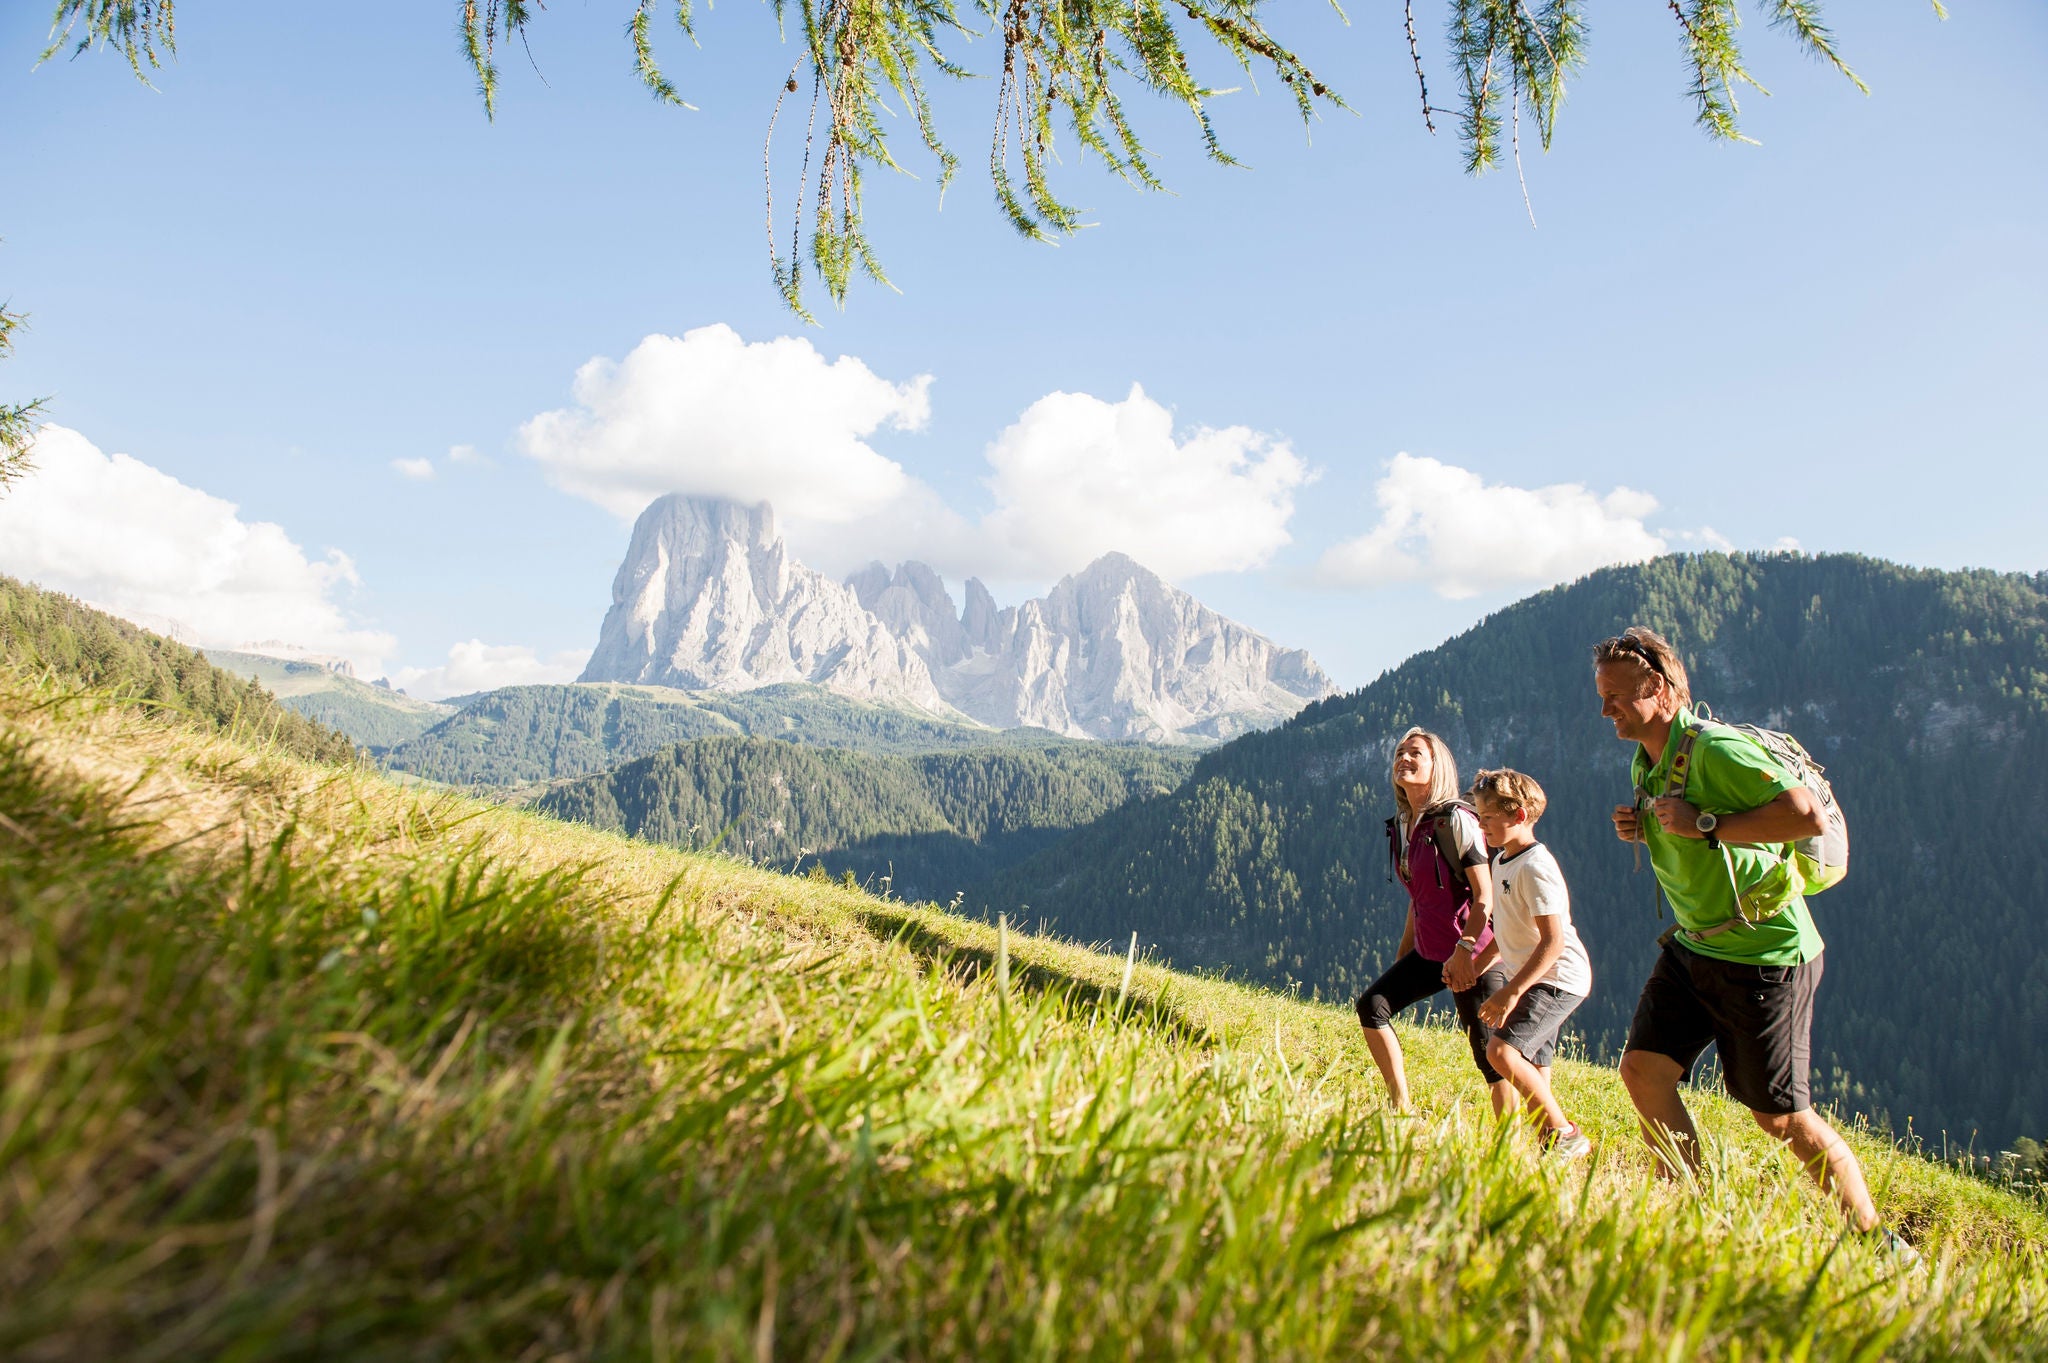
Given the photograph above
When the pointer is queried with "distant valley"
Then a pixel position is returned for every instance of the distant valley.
(375, 717)
(920, 825)
(523, 734)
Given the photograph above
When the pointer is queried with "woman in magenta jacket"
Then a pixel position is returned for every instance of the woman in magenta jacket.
(1447, 941)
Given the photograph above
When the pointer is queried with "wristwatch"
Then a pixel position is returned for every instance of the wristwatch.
(1707, 823)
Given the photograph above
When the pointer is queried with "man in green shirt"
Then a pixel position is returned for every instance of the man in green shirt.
(1740, 968)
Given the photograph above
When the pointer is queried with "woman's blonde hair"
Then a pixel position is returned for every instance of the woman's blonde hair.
(1443, 773)
(1652, 652)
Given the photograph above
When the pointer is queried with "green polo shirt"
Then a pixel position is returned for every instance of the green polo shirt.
(1730, 774)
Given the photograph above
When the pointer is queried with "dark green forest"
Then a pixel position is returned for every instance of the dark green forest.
(376, 727)
(1925, 694)
(933, 823)
(44, 633)
(541, 733)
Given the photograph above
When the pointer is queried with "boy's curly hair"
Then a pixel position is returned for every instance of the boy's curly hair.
(1511, 790)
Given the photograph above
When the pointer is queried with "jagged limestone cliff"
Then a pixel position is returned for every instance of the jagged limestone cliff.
(709, 598)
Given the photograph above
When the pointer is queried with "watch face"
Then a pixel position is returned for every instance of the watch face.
(1706, 823)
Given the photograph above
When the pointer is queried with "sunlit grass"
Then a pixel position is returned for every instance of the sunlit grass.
(299, 1063)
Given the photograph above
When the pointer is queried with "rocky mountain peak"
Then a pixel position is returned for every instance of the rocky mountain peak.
(914, 604)
(709, 597)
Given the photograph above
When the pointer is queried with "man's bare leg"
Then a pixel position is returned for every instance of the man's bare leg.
(1386, 1053)
(1828, 1161)
(1652, 1081)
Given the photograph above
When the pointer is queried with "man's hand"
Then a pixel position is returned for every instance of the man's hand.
(1625, 825)
(1459, 972)
(1677, 816)
(1494, 1012)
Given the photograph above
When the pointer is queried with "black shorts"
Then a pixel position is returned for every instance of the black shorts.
(1412, 979)
(1760, 1018)
(1533, 1027)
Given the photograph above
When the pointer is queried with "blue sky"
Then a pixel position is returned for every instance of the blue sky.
(305, 255)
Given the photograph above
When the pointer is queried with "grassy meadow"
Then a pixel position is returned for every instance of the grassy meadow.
(299, 1063)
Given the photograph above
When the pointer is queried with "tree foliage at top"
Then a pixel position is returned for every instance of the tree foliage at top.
(18, 421)
(1067, 69)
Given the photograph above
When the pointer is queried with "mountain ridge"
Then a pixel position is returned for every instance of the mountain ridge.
(708, 597)
(546, 732)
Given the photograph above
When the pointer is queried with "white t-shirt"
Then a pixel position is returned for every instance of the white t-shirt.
(1528, 886)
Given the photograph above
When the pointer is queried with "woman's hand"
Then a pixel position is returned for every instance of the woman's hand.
(1459, 972)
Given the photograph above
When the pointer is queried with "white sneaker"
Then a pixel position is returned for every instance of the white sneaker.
(1567, 1145)
(1893, 1246)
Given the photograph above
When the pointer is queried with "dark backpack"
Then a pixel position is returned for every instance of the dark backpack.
(1438, 817)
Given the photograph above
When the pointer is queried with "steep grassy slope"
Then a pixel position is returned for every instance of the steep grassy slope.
(372, 716)
(523, 734)
(932, 824)
(298, 1064)
(48, 634)
(1926, 694)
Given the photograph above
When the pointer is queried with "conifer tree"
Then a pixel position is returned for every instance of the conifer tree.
(18, 421)
(1065, 71)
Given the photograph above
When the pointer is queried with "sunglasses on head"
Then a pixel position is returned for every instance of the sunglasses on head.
(1628, 643)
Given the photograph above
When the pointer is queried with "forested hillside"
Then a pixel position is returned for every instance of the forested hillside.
(45, 633)
(374, 716)
(1925, 693)
(933, 823)
(540, 733)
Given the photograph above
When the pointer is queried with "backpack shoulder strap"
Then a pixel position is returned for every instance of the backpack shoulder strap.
(1440, 833)
(1674, 787)
(1681, 765)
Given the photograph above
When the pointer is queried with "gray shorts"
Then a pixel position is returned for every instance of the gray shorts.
(1533, 1027)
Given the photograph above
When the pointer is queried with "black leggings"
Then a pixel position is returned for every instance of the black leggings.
(1412, 979)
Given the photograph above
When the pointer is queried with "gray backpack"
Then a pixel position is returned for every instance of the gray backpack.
(1819, 862)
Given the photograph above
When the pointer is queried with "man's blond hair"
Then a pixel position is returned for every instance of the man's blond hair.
(1510, 790)
(1443, 774)
(1644, 648)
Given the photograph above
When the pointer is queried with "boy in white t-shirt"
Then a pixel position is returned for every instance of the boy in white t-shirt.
(1548, 973)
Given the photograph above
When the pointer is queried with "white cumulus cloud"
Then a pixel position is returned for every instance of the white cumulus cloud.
(414, 468)
(1072, 478)
(711, 414)
(1076, 477)
(1448, 527)
(477, 666)
(130, 539)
